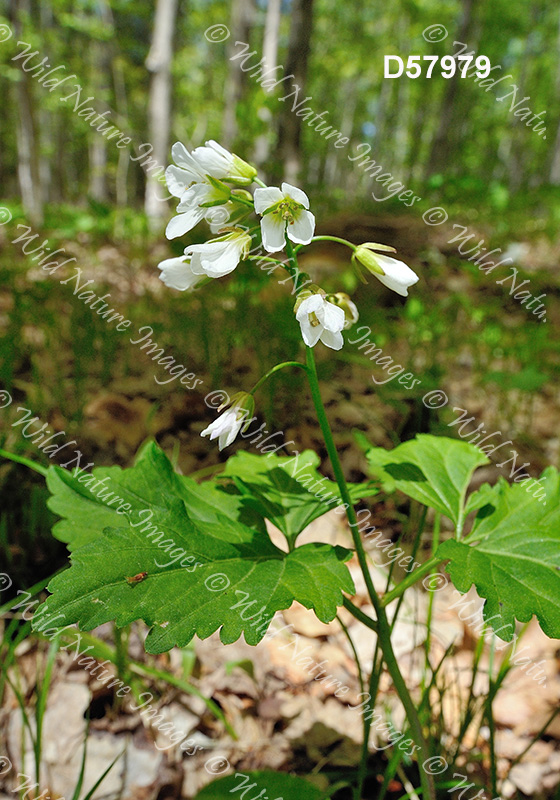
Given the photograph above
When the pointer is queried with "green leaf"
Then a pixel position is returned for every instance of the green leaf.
(277, 785)
(288, 491)
(515, 563)
(185, 566)
(89, 502)
(434, 470)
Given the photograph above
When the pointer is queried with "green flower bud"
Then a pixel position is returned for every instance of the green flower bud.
(350, 309)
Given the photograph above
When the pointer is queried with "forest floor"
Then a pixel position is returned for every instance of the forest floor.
(462, 333)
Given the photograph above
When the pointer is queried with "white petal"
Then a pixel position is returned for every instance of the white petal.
(219, 258)
(195, 195)
(310, 333)
(183, 158)
(332, 339)
(312, 303)
(272, 229)
(182, 223)
(296, 194)
(178, 180)
(214, 160)
(265, 198)
(228, 437)
(331, 316)
(302, 229)
(177, 274)
(398, 276)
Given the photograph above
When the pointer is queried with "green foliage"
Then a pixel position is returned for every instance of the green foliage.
(288, 491)
(180, 562)
(277, 784)
(512, 555)
(434, 470)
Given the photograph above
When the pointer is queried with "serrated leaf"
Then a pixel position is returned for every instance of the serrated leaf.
(515, 563)
(277, 785)
(140, 570)
(434, 470)
(89, 502)
(288, 491)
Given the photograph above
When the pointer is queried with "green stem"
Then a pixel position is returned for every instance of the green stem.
(275, 369)
(383, 626)
(242, 200)
(259, 182)
(428, 642)
(415, 576)
(358, 614)
(327, 239)
(25, 461)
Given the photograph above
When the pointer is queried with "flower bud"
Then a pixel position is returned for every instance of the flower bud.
(365, 255)
(342, 300)
(244, 403)
(244, 173)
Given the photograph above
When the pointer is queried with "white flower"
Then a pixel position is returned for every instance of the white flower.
(219, 257)
(177, 273)
(187, 171)
(394, 274)
(226, 427)
(398, 276)
(322, 320)
(194, 207)
(284, 211)
(218, 162)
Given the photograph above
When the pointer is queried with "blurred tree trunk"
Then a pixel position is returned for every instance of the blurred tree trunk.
(554, 175)
(289, 132)
(158, 63)
(270, 56)
(445, 139)
(241, 22)
(97, 144)
(29, 175)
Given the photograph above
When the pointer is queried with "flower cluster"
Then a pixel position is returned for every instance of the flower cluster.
(212, 184)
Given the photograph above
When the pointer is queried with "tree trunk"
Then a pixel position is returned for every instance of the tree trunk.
(158, 63)
(270, 55)
(27, 142)
(554, 175)
(444, 139)
(241, 22)
(289, 132)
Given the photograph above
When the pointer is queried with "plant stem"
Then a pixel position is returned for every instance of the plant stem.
(27, 462)
(413, 578)
(383, 626)
(275, 369)
(327, 239)
(358, 614)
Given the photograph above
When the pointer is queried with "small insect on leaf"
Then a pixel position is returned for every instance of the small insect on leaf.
(137, 578)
